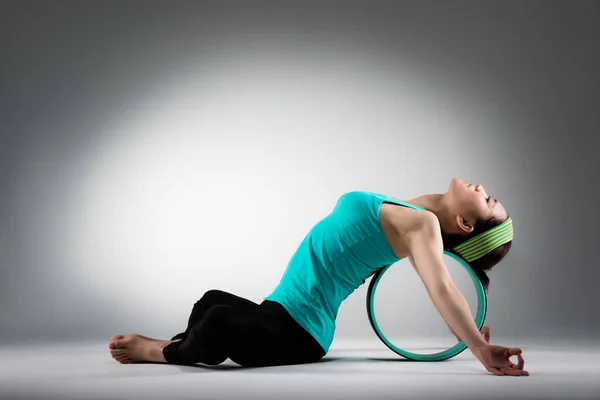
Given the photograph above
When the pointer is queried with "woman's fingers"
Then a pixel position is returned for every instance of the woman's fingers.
(485, 331)
(516, 369)
(514, 351)
(521, 363)
(514, 372)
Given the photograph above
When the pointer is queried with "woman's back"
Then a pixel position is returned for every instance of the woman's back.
(338, 254)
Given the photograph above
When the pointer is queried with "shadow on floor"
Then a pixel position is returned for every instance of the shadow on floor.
(302, 368)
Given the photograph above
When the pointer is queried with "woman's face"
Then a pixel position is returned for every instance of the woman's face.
(471, 202)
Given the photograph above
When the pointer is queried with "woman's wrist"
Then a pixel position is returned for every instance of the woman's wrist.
(477, 345)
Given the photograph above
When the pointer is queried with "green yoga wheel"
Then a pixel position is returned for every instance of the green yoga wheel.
(441, 355)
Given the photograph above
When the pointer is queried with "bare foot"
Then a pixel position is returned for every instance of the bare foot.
(118, 337)
(135, 348)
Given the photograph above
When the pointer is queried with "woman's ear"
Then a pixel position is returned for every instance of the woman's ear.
(464, 225)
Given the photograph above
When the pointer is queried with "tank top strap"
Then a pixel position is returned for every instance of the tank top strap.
(388, 199)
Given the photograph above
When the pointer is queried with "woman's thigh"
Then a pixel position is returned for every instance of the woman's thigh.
(265, 337)
(211, 299)
(218, 298)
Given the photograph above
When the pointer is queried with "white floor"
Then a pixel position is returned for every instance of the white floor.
(352, 370)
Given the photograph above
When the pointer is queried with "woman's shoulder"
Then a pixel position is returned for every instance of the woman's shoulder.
(407, 219)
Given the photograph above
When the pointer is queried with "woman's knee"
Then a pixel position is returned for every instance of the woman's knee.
(215, 320)
(209, 298)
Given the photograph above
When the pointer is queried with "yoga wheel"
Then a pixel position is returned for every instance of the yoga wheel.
(439, 354)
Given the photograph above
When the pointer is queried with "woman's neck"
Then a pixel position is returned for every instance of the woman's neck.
(436, 203)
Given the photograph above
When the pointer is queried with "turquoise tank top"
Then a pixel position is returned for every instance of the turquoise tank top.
(338, 254)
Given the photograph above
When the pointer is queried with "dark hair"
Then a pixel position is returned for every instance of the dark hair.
(485, 263)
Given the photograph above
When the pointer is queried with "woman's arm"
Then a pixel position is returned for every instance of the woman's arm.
(485, 331)
(452, 332)
(424, 241)
(426, 255)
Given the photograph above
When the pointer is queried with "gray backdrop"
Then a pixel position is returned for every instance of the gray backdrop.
(151, 151)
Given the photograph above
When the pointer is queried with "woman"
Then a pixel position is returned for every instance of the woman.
(364, 232)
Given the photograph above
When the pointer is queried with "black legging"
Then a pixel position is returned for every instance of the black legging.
(223, 326)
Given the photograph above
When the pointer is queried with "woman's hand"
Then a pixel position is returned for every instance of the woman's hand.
(496, 359)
